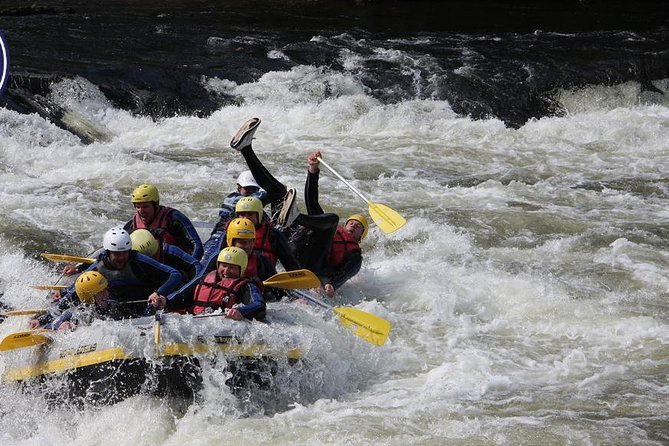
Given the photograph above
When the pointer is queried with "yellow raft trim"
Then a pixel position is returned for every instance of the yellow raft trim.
(175, 349)
(64, 364)
(238, 350)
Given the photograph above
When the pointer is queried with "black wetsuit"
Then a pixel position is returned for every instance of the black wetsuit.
(311, 239)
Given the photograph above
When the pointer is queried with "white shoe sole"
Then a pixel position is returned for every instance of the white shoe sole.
(244, 135)
(289, 211)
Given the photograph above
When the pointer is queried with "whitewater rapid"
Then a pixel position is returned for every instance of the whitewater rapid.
(527, 291)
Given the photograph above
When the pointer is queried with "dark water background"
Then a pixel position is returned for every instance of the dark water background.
(486, 58)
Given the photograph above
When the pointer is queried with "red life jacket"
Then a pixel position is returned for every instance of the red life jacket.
(210, 293)
(262, 242)
(158, 226)
(252, 273)
(252, 265)
(342, 244)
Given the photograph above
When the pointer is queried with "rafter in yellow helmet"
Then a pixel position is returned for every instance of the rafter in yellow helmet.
(145, 193)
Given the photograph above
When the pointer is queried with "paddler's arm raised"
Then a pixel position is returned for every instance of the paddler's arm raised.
(311, 185)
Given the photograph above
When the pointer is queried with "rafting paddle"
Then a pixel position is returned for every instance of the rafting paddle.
(156, 331)
(385, 218)
(48, 287)
(367, 326)
(23, 339)
(290, 280)
(61, 258)
(27, 312)
(67, 258)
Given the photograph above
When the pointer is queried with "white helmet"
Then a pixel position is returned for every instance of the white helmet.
(117, 239)
(245, 179)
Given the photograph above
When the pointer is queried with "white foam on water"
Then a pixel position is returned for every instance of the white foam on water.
(526, 292)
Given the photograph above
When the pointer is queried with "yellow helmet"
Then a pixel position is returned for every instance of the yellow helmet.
(144, 193)
(363, 221)
(143, 241)
(240, 228)
(234, 256)
(250, 204)
(89, 284)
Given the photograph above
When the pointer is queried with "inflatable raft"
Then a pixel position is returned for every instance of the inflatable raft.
(111, 360)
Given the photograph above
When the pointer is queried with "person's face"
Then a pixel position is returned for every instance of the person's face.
(228, 270)
(354, 228)
(247, 190)
(101, 299)
(244, 243)
(146, 211)
(119, 259)
(253, 216)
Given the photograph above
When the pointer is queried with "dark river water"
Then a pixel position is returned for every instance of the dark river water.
(487, 59)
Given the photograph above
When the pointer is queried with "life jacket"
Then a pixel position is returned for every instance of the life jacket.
(158, 226)
(257, 270)
(252, 265)
(210, 293)
(125, 283)
(342, 244)
(263, 244)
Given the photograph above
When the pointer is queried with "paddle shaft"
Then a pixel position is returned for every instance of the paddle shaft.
(312, 299)
(221, 314)
(59, 278)
(156, 331)
(140, 301)
(48, 287)
(26, 312)
(386, 218)
(343, 180)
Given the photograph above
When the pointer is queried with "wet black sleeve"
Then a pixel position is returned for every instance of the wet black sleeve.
(183, 230)
(311, 194)
(253, 306)
(265, 267)
(155, 274)
(348, 268)
(180, 260)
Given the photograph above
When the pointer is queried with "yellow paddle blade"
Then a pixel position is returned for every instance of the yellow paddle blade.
(386, 218)
(26, 312)
(367, 326)
(23, 339)
(48, 287)
(291, 280)
(66, 258)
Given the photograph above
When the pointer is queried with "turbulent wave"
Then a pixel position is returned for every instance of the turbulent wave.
(161, 62)
(527, 292)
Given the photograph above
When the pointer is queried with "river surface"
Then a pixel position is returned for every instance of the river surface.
(528, 292)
